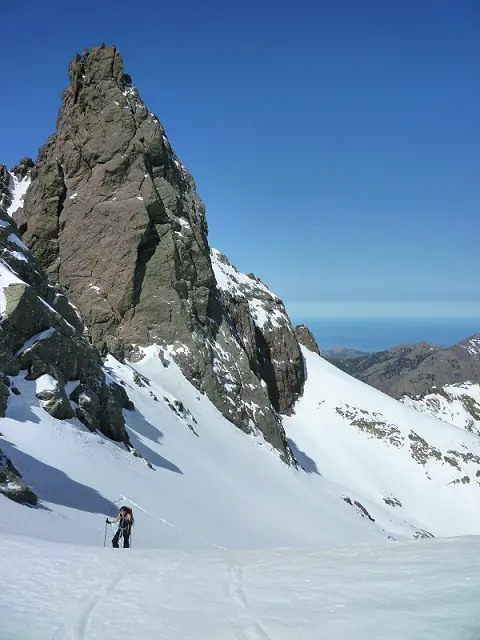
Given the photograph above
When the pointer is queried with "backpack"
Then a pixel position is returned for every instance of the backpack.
(128, 511)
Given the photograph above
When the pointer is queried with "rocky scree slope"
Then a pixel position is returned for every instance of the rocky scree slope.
(114, 217)
(42, 334)
(414, 370)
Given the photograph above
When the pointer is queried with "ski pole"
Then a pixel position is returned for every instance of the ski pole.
(105, 537)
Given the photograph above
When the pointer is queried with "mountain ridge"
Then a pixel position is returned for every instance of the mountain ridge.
(413, 370)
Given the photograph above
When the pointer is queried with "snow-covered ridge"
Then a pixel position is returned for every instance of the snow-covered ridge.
(266, 308)
(458, 404)
(473, 346)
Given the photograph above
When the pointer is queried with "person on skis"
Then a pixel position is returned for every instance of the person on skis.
(125, 522)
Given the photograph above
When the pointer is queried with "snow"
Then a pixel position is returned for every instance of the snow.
(216, 486)
(212, 483)
(337, 429)
(17, 255)
(46, 383)
(265, 307)
(31, 341)
(12, 237)
(7, 277)
(184, 223)
(18, 189)
(458, 404)
(73, 196)
(230, 279)
(395, 591)
(473, 346)
(229, 542)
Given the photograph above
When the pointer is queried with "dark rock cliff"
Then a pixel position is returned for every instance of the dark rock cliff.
(114, 217)
(42, 333)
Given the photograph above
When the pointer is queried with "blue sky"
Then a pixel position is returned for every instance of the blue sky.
(335, 143)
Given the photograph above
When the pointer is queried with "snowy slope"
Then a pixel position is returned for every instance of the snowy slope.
(371, 467)
(458, 404)
(415, 466)
(397, 464)
(210, 486)
(410, 591)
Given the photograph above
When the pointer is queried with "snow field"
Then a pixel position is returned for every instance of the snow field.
(417, 591)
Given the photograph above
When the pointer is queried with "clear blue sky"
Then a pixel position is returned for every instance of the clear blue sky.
(335, 143)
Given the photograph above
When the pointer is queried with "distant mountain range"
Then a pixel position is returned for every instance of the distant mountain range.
(442, 382)
(342, 353)
(413, 369)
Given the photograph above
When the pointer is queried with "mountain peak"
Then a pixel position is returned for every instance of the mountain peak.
(96, 65)
(114, 217)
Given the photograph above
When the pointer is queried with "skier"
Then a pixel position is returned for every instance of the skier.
(125, 522)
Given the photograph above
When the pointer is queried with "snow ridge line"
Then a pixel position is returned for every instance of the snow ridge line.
(166, 522)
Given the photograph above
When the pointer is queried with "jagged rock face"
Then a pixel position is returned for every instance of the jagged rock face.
(306, 337)
(114, 217)
(264, 330)
(42, 333)
(415, 370)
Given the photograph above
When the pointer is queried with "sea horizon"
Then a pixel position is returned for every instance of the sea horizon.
(378, 334)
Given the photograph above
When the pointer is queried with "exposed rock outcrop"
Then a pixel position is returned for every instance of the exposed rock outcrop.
(306, 338)
(264, 330)
(114, 217)
(42, 333)
(11, 485)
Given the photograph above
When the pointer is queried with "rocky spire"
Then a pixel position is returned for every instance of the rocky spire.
(115, 218)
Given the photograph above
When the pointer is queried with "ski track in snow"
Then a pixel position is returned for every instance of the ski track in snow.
(250, 629)
(78, 629)
(420, 590)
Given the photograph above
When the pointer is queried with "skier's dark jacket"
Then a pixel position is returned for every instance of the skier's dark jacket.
(124, 524)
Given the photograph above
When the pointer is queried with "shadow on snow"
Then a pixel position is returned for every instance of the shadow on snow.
(53, 485)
